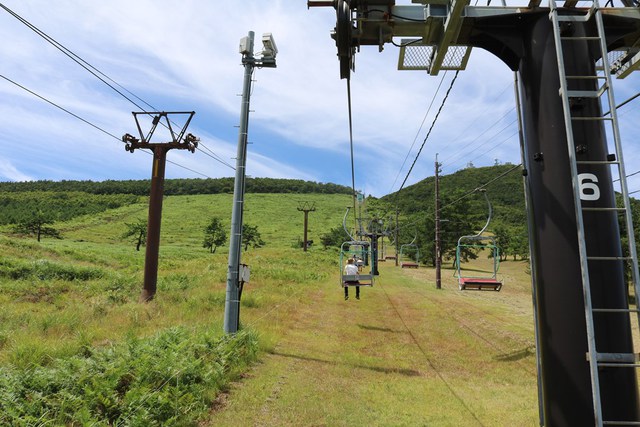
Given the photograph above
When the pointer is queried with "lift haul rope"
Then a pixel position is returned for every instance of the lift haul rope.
(353, 170)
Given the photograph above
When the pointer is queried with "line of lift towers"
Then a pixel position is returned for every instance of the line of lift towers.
(564, 57)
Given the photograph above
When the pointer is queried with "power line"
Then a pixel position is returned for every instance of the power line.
(435, 119)
(627, 176)
(462, 197)
(74, 57)
(461, 150)
(482, 186)
(464, 131)
(87, 121)
(419, 129)
(494, 146)
(97, 73)
(212, 154)
(622, 104)
(59, 107)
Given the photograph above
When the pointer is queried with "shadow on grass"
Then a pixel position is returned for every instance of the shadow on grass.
(379, 329)
(516, 355)
(384, 370)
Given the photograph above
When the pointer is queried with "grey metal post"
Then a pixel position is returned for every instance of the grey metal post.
(232, 300)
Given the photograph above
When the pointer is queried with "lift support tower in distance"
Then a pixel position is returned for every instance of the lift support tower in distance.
(562, 55)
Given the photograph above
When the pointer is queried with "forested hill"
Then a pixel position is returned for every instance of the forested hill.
(464, 211)
(503, 184)
(174, 187)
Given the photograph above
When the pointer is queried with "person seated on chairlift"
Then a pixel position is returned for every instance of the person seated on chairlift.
(358, 262)
(351, 269)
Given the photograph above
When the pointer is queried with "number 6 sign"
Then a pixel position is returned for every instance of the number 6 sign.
(589, 189)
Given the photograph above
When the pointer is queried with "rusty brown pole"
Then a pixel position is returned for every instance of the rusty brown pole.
(306, 222)
(306, 208)
(153, 224)
(179, 141)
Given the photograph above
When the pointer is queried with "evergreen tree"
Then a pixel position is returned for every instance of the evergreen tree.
(37, 225)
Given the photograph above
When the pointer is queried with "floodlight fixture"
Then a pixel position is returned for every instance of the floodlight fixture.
(269, 44)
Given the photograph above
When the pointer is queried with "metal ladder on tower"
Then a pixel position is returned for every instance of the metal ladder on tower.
(604, 90)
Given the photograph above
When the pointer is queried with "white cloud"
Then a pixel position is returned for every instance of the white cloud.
(183, 56)
(11, 173)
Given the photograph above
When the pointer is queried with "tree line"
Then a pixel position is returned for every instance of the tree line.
(174, 187)
(57, 206)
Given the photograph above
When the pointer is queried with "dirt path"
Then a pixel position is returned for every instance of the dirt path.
(404, 355)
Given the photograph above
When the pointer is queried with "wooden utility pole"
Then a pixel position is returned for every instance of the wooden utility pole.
(396, 235)
(438, 248)
(159, 149)
(306, 207)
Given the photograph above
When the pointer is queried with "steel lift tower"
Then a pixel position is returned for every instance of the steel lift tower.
(564, 56)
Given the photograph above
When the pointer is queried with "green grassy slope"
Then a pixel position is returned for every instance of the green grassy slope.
(406, 354)
(403, 355)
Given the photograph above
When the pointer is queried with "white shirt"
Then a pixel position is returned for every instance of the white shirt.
(350, 269)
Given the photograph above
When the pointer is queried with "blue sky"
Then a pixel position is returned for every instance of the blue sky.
(183, 56)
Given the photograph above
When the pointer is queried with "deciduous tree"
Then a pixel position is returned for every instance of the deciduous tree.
(251, 237)
(334, 237)
(214, 235)
(137, 230)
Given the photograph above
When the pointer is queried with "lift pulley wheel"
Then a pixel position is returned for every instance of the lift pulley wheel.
(344, 38)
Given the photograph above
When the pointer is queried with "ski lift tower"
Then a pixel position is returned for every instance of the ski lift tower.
(564, 55)
(178, 141)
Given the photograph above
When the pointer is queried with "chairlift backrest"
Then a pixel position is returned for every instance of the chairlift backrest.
(476, 241)
(352, 249)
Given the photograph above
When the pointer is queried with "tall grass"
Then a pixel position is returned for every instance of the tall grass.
(169, 379)
(77, 348)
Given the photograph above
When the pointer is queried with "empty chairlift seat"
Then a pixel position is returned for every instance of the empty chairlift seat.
(478, 242)
(409, 255)
(479, 283)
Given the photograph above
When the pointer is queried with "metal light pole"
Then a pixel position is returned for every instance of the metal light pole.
(232, 300)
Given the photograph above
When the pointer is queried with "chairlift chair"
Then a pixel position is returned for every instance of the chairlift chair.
(409, 248)
(479, 283)
(355, 249)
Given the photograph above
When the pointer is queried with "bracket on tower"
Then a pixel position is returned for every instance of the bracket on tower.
(628, 62)
(415, 55)
(178, 139)
(451, 29)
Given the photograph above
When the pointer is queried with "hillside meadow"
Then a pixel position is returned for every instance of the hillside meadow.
(76, 348)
